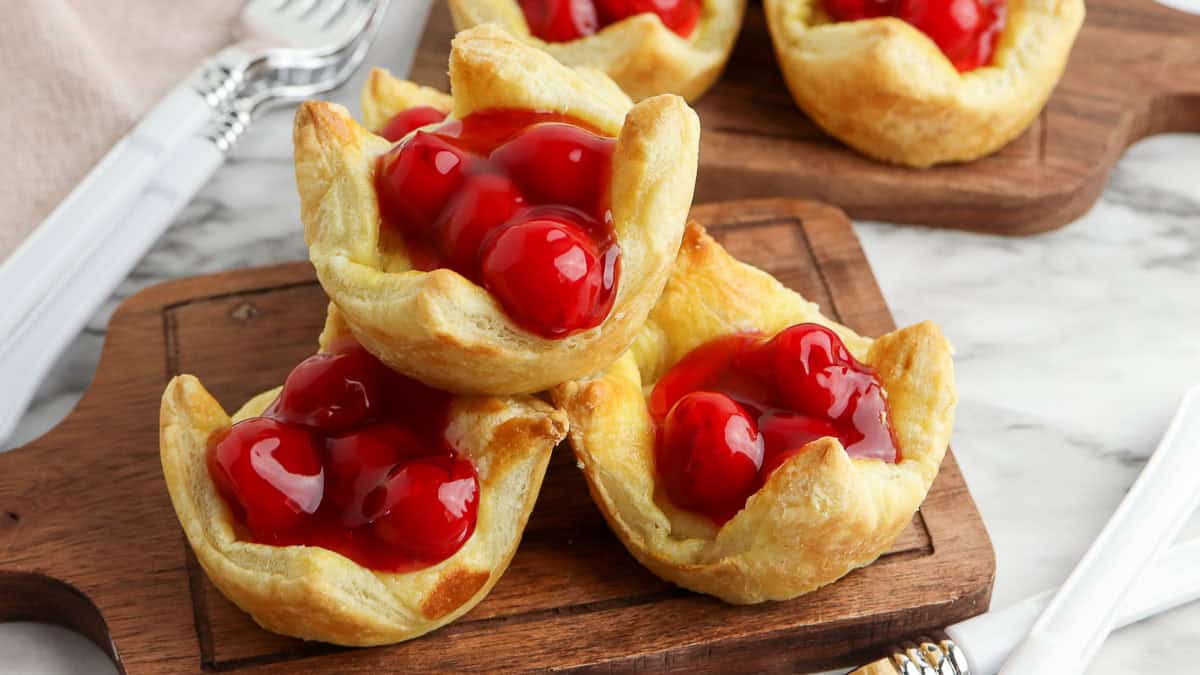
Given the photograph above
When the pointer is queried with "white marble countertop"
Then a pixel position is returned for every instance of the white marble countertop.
(1072, 350)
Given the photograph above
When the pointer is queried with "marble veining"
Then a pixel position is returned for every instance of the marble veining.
(1072, 347)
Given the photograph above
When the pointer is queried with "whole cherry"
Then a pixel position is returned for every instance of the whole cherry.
(428, 507)
(272, 472)
(332, 392)
(809, 361)
(485, 202)
(548, 274)
(709, 455)
(558, 163)
(416, 179)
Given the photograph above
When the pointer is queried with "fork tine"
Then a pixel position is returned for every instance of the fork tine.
(303, 8)
(363, 23)
(330, 13)
(353, 17)
(280, 76)
(346, 61)
(314, 27)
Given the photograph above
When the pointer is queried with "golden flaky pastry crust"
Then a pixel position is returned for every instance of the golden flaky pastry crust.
(645, 57)
(884, 88)
(441, 328)
(821, 514)
(316, 594)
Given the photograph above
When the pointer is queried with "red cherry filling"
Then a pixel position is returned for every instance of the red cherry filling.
(735, 409)
(406, 121)
(786, 433)
(455, 193)
(331, 392)
(853, 10)
(566, 20)
(351, 457)
(560, 20)
(424, 504)
(358, 464)
(965, 30)
(680, 16)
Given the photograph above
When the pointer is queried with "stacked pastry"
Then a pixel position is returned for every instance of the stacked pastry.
(507, 265)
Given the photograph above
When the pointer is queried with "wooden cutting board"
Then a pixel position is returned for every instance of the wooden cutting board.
(88, 537)
(1134, 72)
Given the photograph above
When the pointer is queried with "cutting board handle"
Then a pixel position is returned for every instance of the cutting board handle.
(27, 596)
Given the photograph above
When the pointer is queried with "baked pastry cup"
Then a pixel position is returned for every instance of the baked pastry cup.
(642, 55)
(439, 327)
(316, 594)
(820, 514)
(885, 88)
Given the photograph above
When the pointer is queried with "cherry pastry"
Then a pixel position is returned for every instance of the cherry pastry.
(353, 505)
(515, 245)
(935, 81)
(749, 447)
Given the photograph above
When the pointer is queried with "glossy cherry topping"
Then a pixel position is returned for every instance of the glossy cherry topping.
(965, 30)
(566, 20)
(404, 122)
(351, 457)
(735, 409)
(516, 201)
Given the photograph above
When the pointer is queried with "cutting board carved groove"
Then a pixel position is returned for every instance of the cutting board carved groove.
(88, 537)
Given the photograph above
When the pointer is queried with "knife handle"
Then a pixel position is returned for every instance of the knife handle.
(72, 236)
(62, 308)
(72, 231)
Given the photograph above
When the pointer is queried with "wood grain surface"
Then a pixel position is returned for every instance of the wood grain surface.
(88, 537)
(1134, 72)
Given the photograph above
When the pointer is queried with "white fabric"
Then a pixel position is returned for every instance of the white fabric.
(77, 75)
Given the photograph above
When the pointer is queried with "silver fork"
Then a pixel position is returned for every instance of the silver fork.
(64, 270)
(282, 76)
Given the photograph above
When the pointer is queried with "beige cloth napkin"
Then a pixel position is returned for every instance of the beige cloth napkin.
(77, 75)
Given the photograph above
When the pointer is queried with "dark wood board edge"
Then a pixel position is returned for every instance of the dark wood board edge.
(1148, 83)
